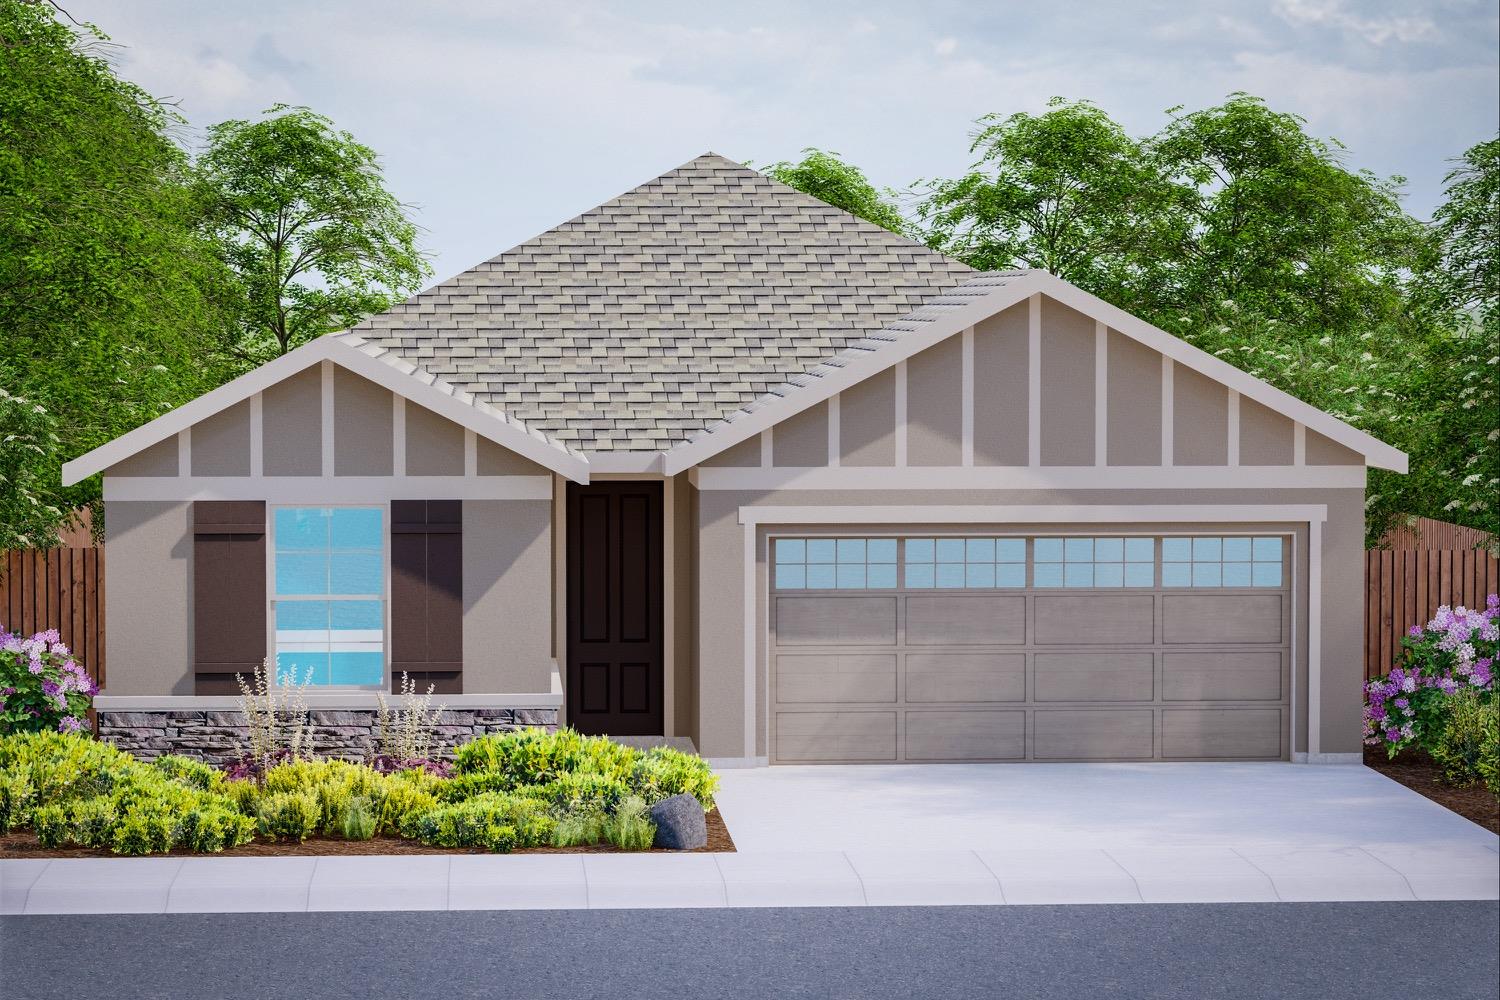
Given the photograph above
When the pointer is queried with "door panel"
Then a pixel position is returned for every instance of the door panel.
(614, 610)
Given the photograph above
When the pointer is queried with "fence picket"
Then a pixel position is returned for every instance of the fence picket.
(1405, 588)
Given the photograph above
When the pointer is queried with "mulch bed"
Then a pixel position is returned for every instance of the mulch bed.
(1417, 771)
(22, 844)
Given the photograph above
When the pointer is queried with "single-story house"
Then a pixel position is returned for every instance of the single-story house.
(718, 460)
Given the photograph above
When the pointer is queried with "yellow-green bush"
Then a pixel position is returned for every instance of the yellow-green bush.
(1469, 743)
(494, 820)
(288, 815)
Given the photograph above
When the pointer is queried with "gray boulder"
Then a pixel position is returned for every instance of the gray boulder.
(679, 824)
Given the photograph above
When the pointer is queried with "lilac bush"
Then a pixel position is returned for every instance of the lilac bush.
(1454, 652)
(42, 686)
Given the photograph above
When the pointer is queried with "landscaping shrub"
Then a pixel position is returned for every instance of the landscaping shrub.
(1470, 731)
(190, 772)
(579, 828)
(628, 827)
(16, 795)
(494, 820)
(92, 821)
(144, 830)
(357, 819)
(1453, 653)
(582, 791)
(663, 772)
(43, 687)
(288, 815)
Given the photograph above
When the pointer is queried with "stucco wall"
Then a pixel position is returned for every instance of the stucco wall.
(720, 653)
(507, 595)
(148, 597)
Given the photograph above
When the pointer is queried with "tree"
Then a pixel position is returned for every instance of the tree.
(302, 215)
(29, 511)
(828, 178)
(1467, 226)
(1067, 191)
(113, 307)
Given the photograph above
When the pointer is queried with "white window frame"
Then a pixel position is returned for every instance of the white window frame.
(384, 598)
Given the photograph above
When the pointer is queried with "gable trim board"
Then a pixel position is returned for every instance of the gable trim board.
(1026, 478)
(1162, 517)
(876, 354)
(350, 352)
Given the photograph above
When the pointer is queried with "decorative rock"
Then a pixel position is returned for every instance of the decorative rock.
(679, 824)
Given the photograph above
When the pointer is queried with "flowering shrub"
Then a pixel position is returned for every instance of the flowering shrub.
(1456, 651)
(42, 687)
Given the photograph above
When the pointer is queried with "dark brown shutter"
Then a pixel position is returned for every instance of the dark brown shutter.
(229, 592)
(427, 593)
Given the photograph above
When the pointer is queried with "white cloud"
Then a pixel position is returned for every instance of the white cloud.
(1374, 30)
(945, 46)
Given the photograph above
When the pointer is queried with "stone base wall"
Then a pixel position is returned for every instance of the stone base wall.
(219, 737)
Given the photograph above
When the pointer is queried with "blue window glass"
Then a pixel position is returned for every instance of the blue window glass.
(950, 575)
(791, 550)
(1010, 574)
(880, 550)
(1094, 562)
(834, 563)
(1047, 575)
(979, 550)
(1221, 562)
(1267, 550)
(821, 550)
(791, 576)
(1266, 574)
(1208, 549)
(1048, 549)
(337, 556)
(821, 576)
(1109, 574)
(1010, 550)
(975, 563)
(920, 575)
(1176, 574)
(919, 550)
(1140, 550)
(1139, 574)
(1176, 550)
(851, 576)
(980, 575)
(1078, 574)
(950, 550)
(851, 550)
(1236, 550)
(1206, 574)
(880, 575)
(1237, 574)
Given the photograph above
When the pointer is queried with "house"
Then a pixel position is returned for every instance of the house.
(716, 459)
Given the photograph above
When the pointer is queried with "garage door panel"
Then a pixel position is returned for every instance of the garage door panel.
(1222, 618)
(965, 735)
(1223, 675)
(1228, 733)
(1122, 734)
(965, 677)
(850, 677)
(1106, 619)
(964, 620)
(835, 621)
(1095, 676)
(830, 736)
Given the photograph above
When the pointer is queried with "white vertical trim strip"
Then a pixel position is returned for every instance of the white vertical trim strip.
(967, 434)
(1101, 395)
(1034, 381)
(669, 607)
(1314, 637)
(258, 435)
(1166, 412)
(1292, 700)
(1299, 444)
(325, 371)
(185, 452)
(471, 453)
(752, 627)
(1234, 428)
(398, 434)
(900, 414)
(835, 442)
(765, 448)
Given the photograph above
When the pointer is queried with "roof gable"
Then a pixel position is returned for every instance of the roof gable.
(645, 319)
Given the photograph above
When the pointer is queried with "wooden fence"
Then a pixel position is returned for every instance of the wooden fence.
(61, 589)
(1405, 588)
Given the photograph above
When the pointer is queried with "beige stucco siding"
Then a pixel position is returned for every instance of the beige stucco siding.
(507, 598)
(156, 461)
(493, 460)
(1322, 451)
(1200, 419)
(745, 455)
(434, 445)
(220, 445)
(934, 405)
(148, 593)
(802, 440)
(362, 422)
(1134, 407)
(1067, 409)
(720, 652)
(867, 421)
(1266, 437)
(291, 410)
(1001, 388)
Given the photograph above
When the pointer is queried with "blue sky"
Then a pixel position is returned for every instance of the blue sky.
(499, 120)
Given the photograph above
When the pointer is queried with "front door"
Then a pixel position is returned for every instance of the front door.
(615, 608)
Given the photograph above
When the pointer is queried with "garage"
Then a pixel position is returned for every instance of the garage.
(1007, 645)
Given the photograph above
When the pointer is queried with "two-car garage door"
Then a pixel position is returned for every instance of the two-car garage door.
(994, 646)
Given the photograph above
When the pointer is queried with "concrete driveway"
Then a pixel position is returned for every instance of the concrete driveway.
(1018, 807)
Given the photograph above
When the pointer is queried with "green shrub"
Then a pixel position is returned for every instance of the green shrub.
(191, 772)
(16, 797)
(288, 815)
(466, 786)
(582, 791)
(526, 756)
(214, 827)
(357, 819)
(92, 822)
(1469, 733)
(495, 821)
(663, 772)
(579, 829)
(50, 824)
(400, 805)
(628, 827)
(143, 830)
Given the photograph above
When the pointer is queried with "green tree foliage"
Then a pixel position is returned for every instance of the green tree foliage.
(1468, 233)
(111, 304)
(29, 515)
(827, 177)
(302, 215)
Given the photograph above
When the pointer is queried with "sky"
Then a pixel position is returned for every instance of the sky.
(497, 121)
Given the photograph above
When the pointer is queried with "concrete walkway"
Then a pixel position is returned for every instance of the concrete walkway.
(890, 836)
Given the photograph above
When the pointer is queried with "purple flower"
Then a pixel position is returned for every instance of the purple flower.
(69, 724)
(35, 666)
(1415, 631)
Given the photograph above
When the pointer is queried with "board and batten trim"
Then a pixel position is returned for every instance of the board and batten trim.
(752, 518)
(329, 489)
(1021, 478)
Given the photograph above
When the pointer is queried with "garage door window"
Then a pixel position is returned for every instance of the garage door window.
(954, 563)
(1221, 562)
(1094, 562)
(835, 563)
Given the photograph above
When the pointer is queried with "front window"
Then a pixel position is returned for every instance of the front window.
(328, 599)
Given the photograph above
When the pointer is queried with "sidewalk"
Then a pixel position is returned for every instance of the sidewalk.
(767, 878)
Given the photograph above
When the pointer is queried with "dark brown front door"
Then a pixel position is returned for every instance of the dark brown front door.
(614, 608)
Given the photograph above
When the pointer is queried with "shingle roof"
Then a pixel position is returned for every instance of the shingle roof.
(645, 320)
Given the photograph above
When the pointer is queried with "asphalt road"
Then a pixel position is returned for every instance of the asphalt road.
(1320, 951)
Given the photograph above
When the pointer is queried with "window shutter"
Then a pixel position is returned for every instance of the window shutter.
(427, 600)
(229, 592)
